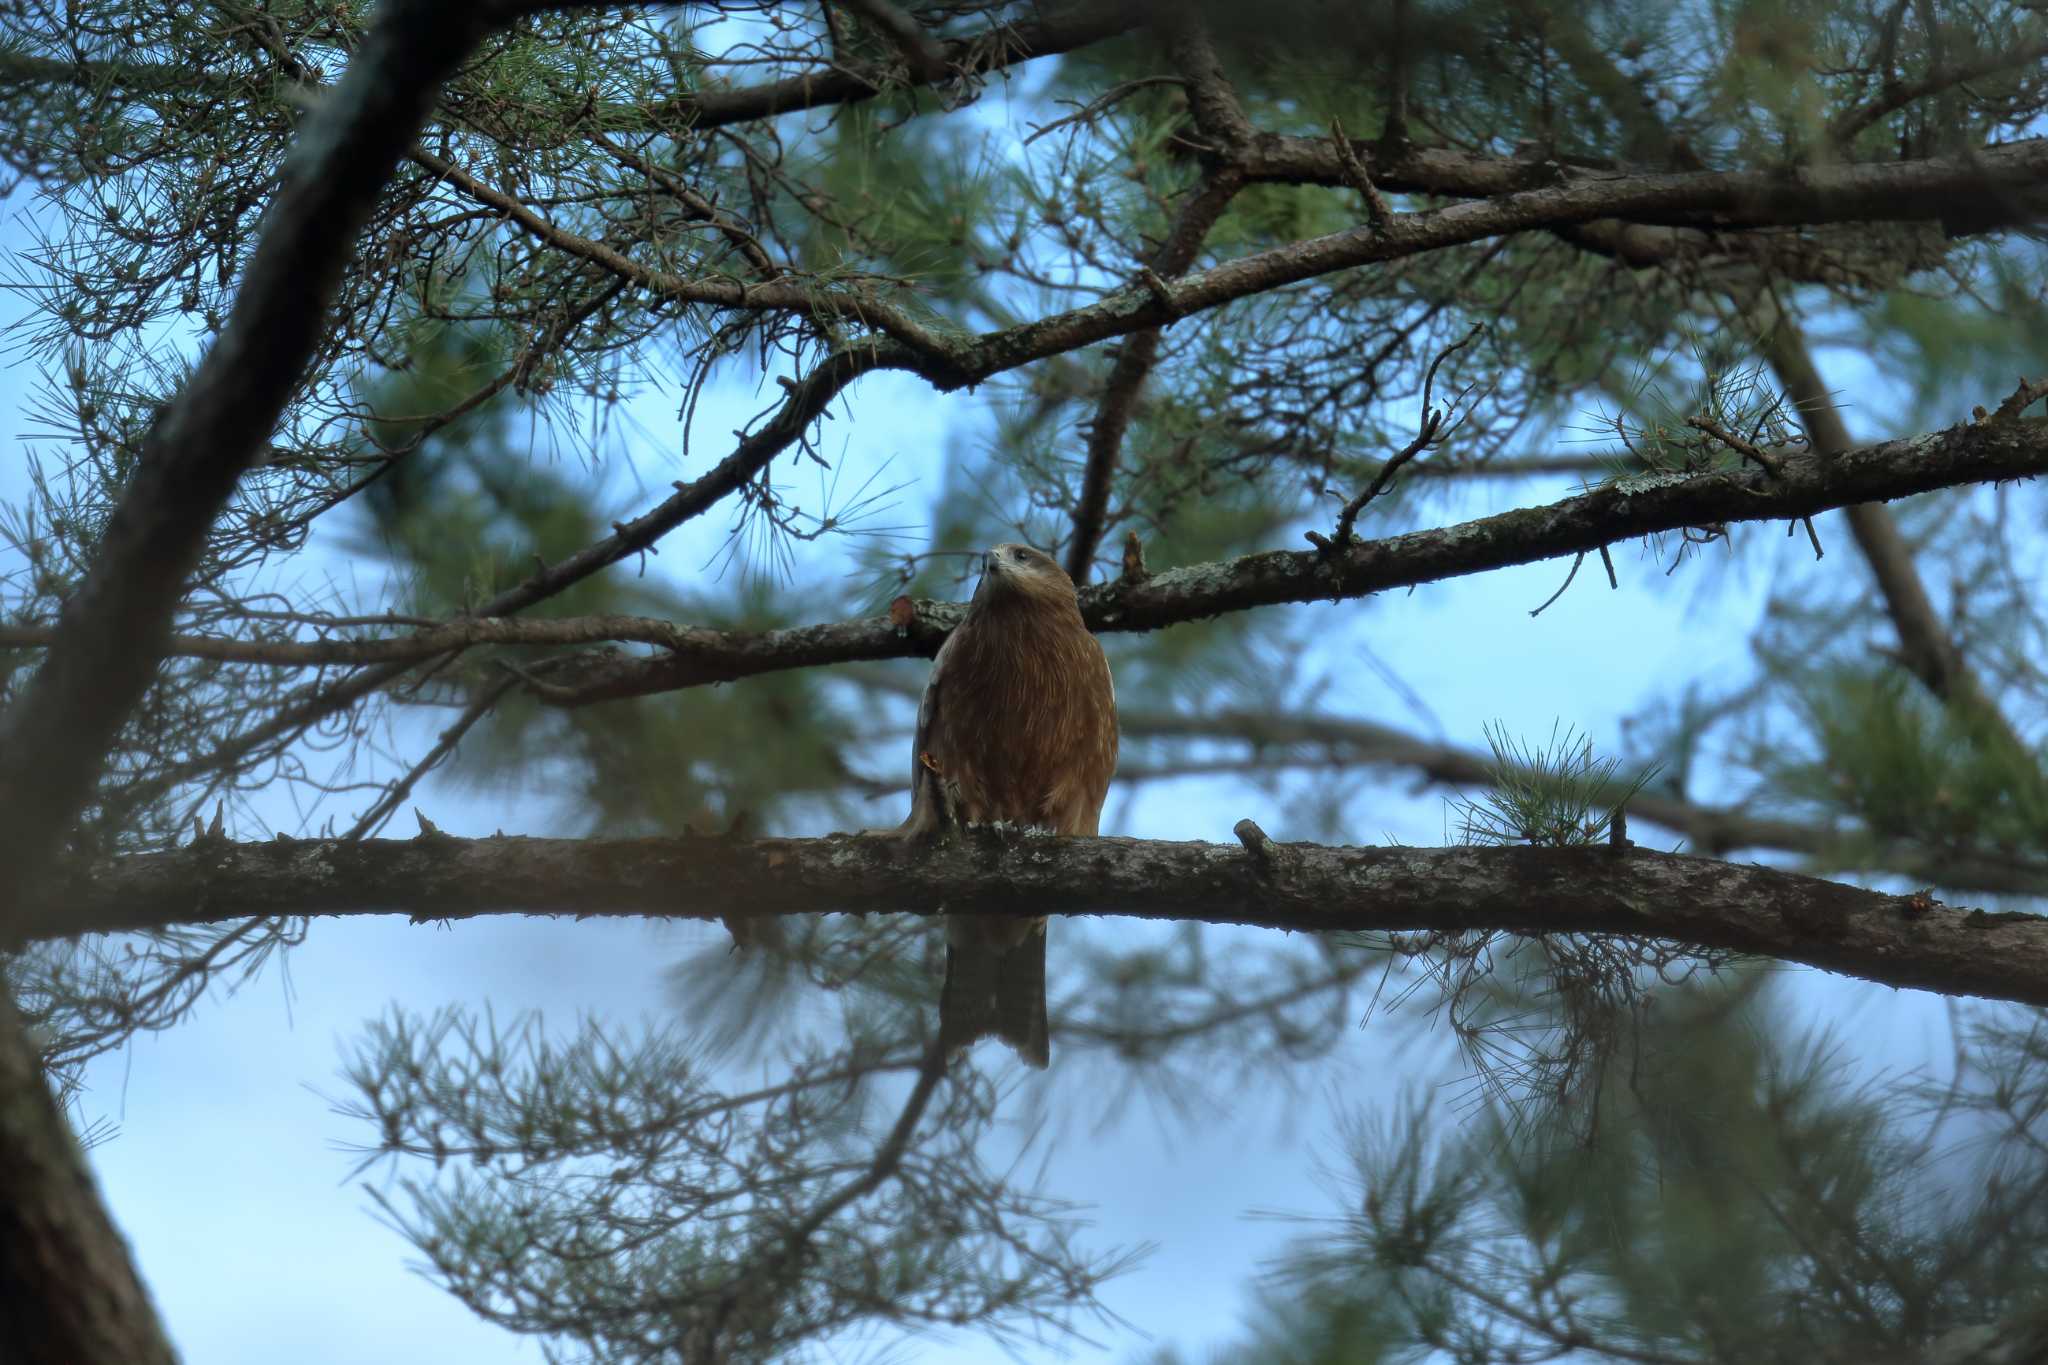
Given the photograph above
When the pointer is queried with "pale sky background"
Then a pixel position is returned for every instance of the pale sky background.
(227, 1169)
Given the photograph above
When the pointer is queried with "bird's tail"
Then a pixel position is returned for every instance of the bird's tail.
(995, 989)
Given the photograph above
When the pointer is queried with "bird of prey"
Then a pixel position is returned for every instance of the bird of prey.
(1018, 725)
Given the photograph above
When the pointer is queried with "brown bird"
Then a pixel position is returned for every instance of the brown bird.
(1018, 724)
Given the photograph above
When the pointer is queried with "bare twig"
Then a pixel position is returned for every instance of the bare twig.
(1101, 103)
(1577, 560)
(1429, 433)
(1748, 450)
(394, 795)
(1377, 211)
(1896, 95)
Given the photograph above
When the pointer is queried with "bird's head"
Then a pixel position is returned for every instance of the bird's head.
(1018, 574)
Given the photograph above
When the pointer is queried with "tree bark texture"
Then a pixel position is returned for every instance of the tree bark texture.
(69, 1293)
(1908, 941)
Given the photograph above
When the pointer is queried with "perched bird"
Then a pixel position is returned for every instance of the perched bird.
(1018, 724)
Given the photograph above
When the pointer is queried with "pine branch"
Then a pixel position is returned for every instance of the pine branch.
(1135, 360)
(1926, 648)
(988, 52)
(54, 738)
(1895, 95)
(922, 53)
(1907, 941)
(1278, 739)
(1628, 508)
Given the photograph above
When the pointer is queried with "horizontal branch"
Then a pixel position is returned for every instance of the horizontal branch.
(1903, 941)
(984, 53)
(693, 656)
(1644, 505)
(1988, 186)
(977, 55)
(1993, 185)
(460, 633)
(1998, 195)
(1275, 737)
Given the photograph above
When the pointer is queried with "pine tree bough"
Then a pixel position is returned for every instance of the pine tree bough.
(1906, 941)
(1618, 511)
(694, 656)
(56, 736)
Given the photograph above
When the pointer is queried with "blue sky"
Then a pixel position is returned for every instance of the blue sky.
(229, 1169)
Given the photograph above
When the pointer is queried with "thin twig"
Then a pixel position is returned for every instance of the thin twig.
(395, 795)
(1748, 450)
(1101, 103)
(1377, 211)
(1577, 560)
(1431, 431)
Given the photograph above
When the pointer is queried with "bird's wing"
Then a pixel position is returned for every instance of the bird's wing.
(925, 798)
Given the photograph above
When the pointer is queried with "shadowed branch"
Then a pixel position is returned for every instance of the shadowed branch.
(1909, 941)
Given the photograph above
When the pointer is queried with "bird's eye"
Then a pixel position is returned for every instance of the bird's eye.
(1018, 555)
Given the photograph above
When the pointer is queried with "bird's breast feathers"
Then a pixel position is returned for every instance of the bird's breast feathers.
(1020, 718)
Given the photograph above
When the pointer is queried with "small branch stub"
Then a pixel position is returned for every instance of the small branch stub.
(1377, 211)
(1748, 450)
(1134, 570)
(2029, 392)
(1255, 842)
(1162, 293)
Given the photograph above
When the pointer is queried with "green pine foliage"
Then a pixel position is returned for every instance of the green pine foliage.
(1647, 1163)
(1742, 1196)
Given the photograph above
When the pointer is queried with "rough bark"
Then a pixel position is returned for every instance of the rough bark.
(69, 1293)
(68, 1289)
(1908, 941)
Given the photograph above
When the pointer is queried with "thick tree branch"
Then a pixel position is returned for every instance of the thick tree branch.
(2011, 176)
(1896, 940)
(2007, 183)
(981, 54)
(1277, 740)
(461, 633)
(994, 49)
(69, 1294)
(53, 740)
(693, 655)
(1762, 198)
(1613, 512)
